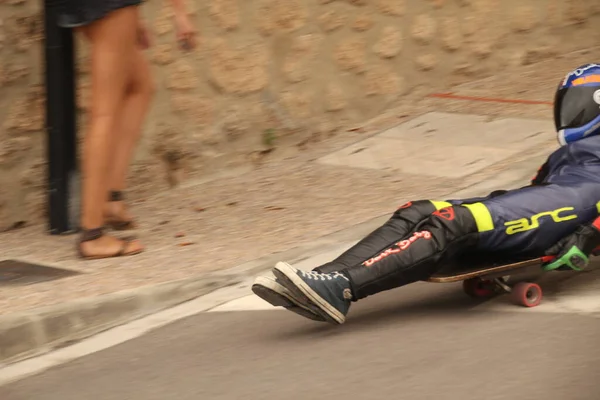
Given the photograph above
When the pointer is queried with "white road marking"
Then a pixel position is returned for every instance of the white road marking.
(246, 303)
(581, 303)
(584, 303)
(584, 300)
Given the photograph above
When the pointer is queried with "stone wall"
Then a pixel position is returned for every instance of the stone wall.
(270, 72)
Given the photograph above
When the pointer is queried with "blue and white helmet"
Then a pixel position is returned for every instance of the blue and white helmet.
(577, 104)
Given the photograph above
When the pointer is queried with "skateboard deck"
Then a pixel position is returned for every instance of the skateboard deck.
(472, 269)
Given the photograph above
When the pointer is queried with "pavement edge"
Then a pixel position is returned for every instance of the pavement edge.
(40, 330)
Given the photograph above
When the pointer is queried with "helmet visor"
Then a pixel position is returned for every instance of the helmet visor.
(575, 106)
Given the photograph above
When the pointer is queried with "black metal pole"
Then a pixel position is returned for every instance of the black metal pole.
(60, 123)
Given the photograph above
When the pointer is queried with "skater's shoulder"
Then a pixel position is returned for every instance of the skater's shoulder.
(587, 147)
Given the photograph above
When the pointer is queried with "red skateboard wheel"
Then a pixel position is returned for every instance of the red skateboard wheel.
(526, 294)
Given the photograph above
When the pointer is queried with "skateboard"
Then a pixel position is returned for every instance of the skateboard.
(485, 279)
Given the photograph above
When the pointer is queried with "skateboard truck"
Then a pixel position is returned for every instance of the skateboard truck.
(501, 283)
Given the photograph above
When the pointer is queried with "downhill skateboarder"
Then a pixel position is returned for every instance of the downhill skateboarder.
(557, 214)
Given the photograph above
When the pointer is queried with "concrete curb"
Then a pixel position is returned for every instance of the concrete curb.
(27, 334)
(43, 329)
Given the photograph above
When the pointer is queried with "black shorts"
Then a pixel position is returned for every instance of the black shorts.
(75, 13)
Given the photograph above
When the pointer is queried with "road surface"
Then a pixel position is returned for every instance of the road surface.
(426, 341)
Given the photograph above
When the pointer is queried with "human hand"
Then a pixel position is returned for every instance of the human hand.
(185, 32)
(573, 251)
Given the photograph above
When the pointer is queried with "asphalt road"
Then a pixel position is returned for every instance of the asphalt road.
(427, 341)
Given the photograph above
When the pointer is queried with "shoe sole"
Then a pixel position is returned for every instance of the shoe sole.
(288, 277)
(270, 291)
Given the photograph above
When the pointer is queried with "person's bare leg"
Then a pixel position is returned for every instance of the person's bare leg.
(113, 41)
(132, 113)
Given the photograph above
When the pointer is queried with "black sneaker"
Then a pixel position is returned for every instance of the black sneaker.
(271, 291)
(328, 295)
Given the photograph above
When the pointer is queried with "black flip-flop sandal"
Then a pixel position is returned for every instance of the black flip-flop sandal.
(87, 235)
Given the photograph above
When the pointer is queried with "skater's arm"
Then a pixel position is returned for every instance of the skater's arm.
(574, 250)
